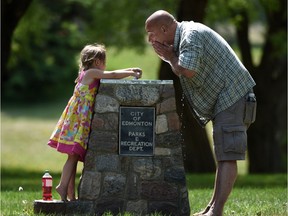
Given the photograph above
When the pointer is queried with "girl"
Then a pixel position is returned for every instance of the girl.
(71, 133)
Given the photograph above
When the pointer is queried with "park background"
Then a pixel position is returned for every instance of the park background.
(40, 44)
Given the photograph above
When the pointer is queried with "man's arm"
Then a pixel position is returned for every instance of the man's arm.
(166, 53)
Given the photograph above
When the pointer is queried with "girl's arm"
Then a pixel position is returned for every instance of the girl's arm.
(94, 73)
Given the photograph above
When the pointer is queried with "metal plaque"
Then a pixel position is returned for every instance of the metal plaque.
(136, 131)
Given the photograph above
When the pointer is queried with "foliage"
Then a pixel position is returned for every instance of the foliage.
(50, 36)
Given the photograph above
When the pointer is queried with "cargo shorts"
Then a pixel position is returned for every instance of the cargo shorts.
(230, 132)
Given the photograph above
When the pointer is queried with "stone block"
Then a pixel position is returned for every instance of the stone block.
(137, 94)
(103, 141)
(175, 175)
(162, 151)
(138, 208)
(104, 104)
(148, 168)
(155, 190)
(133, 188)
(106, 89)
(97, 122)
(107, 163)
(89, 187)
(167, 105)
(80, 207)
(161, 124)
(105, 121)
(113, 185)
(173, 121)
(168, 91)
(55, 207)
(90, 161)
(112, 206)
(169, 139)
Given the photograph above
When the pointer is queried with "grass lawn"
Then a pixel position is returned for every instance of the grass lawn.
(264, 195)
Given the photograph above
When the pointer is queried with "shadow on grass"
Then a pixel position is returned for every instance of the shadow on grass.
(12, 179)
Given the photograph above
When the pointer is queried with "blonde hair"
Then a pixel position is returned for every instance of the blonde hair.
(89, 54)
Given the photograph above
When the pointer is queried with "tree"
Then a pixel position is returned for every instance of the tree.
(49, 37)
(268, 137)
(11, 12)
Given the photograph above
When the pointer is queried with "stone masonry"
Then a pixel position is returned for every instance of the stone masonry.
(140, 185)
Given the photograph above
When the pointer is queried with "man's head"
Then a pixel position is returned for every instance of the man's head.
(161, 27)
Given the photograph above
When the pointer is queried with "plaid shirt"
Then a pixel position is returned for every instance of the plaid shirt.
(220, 79)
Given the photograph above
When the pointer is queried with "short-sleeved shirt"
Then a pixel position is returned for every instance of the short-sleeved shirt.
(220, 80)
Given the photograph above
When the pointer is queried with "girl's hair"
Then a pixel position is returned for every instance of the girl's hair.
(88, 54)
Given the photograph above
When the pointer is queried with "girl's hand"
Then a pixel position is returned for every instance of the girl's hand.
(137, 72)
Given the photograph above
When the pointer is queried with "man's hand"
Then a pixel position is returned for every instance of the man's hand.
(164, 51)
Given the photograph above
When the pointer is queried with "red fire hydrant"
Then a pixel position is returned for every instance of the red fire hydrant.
(47, 186)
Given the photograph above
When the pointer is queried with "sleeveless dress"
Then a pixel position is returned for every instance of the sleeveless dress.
(71, 133)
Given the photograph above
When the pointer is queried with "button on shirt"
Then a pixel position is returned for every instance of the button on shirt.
(220, 80)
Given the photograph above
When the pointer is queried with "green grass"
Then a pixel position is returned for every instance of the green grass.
(25, 130)
(264, 195)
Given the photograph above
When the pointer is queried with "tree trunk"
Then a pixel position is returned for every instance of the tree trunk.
(11, 12)
(267, 137)
(268, 149)
(197, 152)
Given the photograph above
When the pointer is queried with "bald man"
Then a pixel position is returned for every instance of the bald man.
(217, 87)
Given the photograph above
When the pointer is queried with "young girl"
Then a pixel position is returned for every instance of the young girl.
(71, 133)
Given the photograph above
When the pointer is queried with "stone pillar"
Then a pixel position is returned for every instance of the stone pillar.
(140, 185)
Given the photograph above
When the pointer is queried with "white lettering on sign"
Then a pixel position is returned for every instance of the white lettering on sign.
(135, 149)
(135, 123)
(136, 134)
(133, 143)
(137, 114)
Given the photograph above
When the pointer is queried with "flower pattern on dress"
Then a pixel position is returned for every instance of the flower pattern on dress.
(71, 133)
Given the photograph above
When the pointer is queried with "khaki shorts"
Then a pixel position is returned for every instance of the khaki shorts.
(229, 133)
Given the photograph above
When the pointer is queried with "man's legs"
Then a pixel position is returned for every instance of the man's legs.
(226, 175)
(230, 143)
(225, 178)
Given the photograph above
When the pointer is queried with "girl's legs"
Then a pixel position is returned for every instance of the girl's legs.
(68, 171)
(71, 186)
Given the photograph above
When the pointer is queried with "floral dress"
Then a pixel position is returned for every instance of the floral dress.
(71, 133)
